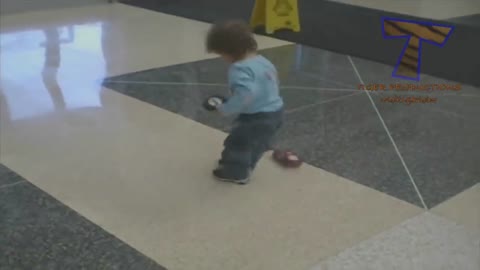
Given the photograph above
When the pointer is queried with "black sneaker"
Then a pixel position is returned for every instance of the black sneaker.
(224, 176)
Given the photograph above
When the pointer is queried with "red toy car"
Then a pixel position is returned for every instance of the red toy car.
(287, 158)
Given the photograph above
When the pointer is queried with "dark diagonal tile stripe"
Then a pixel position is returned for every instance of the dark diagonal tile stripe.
(7, 177)
(37, 233)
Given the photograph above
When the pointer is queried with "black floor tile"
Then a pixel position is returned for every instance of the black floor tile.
(345, 137)
(302, 65)
(7, 177)
(439, 143)
(37, 232)
(438, 140)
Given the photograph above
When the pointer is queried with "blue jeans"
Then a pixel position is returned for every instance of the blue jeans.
(250, 138)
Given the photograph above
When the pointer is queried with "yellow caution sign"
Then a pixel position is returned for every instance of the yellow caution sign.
(276, 15)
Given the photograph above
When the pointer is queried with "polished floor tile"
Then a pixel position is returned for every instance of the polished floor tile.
(8, 178)
(463, 208)
(425, 242)
(438, 141)
(345, 137)
(330, 123)
(103, 40)
(155, 167)
(52, 65)
(38, 232)
(137, 160)
(91, 41)
(431, 9)
(439, 147)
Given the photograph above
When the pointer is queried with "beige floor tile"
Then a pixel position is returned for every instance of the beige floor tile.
(432, 9)
(425, 242)
(463, 208)
(144, 174)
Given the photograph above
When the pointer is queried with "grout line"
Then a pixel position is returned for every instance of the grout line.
(389, 135)
(12, 184)
(321, 102)
(225, 85)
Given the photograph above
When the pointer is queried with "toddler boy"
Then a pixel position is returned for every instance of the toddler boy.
(255, 99)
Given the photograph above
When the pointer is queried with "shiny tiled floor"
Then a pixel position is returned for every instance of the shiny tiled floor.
(321, 89)
(106, 157)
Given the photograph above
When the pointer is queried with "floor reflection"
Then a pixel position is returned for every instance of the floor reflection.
(51, 70)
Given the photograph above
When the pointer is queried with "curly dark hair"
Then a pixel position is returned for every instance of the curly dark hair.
(233, 38)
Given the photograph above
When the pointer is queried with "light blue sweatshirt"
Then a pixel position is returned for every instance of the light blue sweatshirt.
(253, 83)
